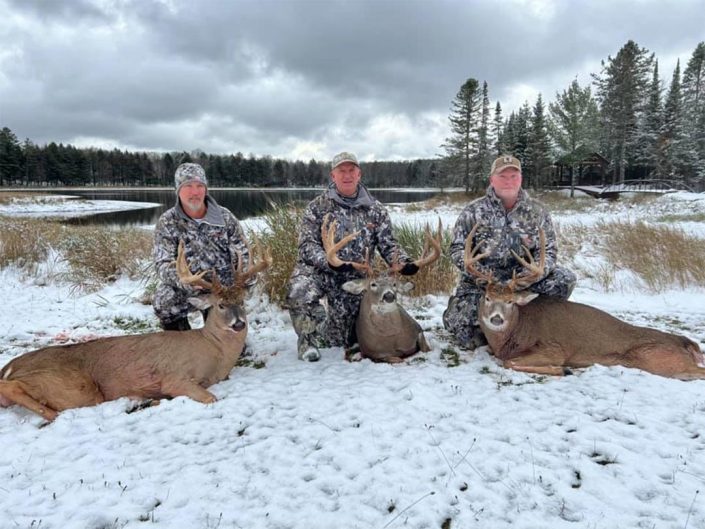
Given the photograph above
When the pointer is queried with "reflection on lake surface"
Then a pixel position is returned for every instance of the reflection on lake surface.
(243, 203)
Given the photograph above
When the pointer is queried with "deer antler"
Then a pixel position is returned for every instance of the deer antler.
(426, 257)
(331, 247)
(471, 257)
(242, 275)
(533, 270)
(184, 274)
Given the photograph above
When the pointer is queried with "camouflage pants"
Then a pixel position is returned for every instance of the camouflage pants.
(322, 313)
(171, 304)
(460, 317)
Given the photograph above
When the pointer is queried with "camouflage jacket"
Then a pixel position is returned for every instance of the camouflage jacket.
(211, 243)
(500, 231)
(362, 213)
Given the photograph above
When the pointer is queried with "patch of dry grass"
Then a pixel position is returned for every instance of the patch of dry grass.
(25, 243)
(453, 198)
(281, 238)
(663, 256)
(560, 202)
(437, 278)
(97, 255)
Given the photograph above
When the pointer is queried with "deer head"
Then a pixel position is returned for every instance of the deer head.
(498, 306)
(226, 303)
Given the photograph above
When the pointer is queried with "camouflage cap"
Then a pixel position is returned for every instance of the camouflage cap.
(504, 162)
(344, 157)
(189, 172)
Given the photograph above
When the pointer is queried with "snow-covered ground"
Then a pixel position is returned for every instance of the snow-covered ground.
(363, 445)
(65, 206)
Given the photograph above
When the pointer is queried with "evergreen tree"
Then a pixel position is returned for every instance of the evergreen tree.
(674, 155)
(649, 139)
(497, 131)
(574, 126)
(484, 155)
(11, 158)
(693, 88)
(538, 151)
(621, 90)
(462, 146)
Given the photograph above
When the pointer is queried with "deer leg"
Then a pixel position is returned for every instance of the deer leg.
(538, 370)
(180, 387)
(12, 390)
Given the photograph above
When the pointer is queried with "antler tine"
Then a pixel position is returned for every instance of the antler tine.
(533, 270)
(471, 257)
(184, 274)
(265, 259)
(331, 247)
(425, 259)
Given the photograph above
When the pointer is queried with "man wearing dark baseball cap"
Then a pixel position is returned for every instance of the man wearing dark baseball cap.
(507, 220)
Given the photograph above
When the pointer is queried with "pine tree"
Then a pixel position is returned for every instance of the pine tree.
(674, 161)
(574, 126)
(11, 158)
(621, 90)
(649, 140)
(462, 146)
(484, 156)
(538, 151)
(497, 131)
(693, 88)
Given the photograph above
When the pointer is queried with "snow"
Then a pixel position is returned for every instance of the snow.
(363, 445)
(65, 206)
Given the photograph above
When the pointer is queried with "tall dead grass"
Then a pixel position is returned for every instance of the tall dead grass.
(94, 255)
(662, 256)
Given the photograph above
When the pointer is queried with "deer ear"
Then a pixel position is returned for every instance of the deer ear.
(356, 286)
(523, 298)
(406, 287)
(201, 303)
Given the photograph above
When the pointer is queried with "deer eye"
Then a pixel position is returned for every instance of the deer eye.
(221, 306)
(373, 285)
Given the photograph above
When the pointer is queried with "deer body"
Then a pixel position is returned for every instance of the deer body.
(385, 331)
(548, 335)
(153, 365)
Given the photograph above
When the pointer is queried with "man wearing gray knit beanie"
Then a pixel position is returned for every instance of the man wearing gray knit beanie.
(213, 239)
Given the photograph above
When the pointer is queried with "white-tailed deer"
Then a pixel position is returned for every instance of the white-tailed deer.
(144, 366)
(536, 334)
(385, 331)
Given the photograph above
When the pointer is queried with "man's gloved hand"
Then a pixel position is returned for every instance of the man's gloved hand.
(343, 268)
(409, 269)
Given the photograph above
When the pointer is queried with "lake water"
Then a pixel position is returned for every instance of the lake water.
(243, 203)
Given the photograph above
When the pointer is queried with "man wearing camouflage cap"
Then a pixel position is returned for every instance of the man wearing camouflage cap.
(323, 314)
(507, 219)
(213, 239)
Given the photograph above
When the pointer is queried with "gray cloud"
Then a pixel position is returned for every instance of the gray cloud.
(302, 78)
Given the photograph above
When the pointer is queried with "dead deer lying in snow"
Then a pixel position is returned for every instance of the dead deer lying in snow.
(145, 366)
(548, 335)
(385, 331)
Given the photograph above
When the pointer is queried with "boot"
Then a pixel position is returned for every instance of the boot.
(306, 350)
(181, 324)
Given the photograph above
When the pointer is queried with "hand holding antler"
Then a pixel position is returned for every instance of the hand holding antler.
(331, 247)
(533, 270)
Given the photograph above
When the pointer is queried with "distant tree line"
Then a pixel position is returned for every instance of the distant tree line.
(27, 164)
(640, 128)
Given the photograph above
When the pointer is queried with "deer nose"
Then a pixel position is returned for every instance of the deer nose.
(389, 297)
(497, 320)
(238, 325)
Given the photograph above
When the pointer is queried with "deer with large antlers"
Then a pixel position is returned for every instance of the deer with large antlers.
(385, 331)
(536, 334)
(146, 366)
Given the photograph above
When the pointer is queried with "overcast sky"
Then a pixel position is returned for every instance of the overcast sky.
(303, 78)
